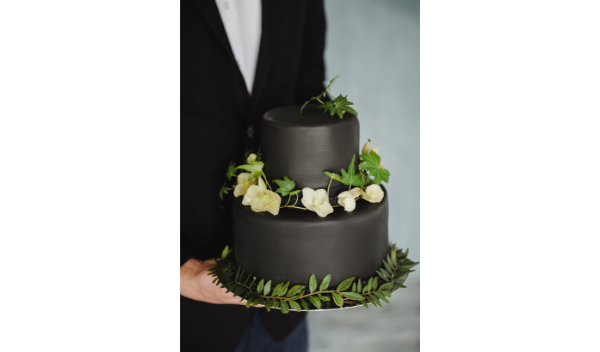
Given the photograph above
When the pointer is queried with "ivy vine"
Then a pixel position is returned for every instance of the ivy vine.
(350, 292)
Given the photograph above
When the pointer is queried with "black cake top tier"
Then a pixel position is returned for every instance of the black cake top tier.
(302, 147)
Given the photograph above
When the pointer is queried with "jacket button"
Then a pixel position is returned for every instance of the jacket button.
(250, 132)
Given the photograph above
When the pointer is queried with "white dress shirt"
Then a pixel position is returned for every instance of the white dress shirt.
(242, 20)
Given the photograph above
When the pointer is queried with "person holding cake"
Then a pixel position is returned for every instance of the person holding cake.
(239, 59)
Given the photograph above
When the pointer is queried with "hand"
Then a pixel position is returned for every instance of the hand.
(196, 284)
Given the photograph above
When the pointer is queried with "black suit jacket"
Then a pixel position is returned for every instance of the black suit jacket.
(219, 120)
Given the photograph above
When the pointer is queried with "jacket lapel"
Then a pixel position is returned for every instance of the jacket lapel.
(266, 50)
(208, 9)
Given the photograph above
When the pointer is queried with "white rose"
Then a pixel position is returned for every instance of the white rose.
(347, 199)
(316, 201)
(243, 184)
(261, 199)
(373, 194)
(251, 157)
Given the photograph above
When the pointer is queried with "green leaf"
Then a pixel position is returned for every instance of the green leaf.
(231, 288)
(249, 302)
(295, 290)
(359, 287)
(225, 252)
(337, 298)
(277, 289)
(237, 274)
(364, 303)
(381, 296)
(353, 295)
(325, 283)
(239, 290)
(248, 278)
(223, 191)
(333, 176)
(365, 179)
(304, 304)
(386, 293)
(371, 162)
(338, 107)
(275, 303)
(354, 287)
(383, 274)
(388, 267)
(403, 255)
(375, 301)
(344, 285)
(323, 94)
(283, 289)
(294, 305)
(230, 170)
(267, 287)
(323, 298)
(260, 285)
(385, 286)
(350, 178)
(329, 86)
(369, 285)
(255, 168)
(258, 154)
(285, 186)
(375, 282)
(284, 306)
(268, 304)
(315, 301)
(312, 283)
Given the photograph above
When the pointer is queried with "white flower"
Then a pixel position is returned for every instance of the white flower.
(367, 148)
(261, 199)
(243, 184)
(373, 194)
(251, 157)
(316, 201)
(347, 198)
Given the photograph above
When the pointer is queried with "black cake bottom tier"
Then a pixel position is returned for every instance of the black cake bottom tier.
(297, 243)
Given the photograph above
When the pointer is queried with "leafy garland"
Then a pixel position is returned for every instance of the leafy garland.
(339, 105)
(371, 172)
(350, 292)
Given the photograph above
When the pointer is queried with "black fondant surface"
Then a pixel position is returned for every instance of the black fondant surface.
(302, 147)
(297, 243)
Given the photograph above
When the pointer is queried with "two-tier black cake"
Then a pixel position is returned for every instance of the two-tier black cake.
(297, 243)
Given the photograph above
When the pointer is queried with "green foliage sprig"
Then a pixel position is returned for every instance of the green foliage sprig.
(349, 178)
(254, 167)
(286, 186)
(371, 162)
(339, 106)
(349, 292)
(230, 170)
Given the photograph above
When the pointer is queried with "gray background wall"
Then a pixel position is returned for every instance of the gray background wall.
(374, 46)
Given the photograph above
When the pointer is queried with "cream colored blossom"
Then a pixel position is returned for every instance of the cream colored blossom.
(373, 194)
(260, 199)
(251, 157)
(317, 201)
(367, 148)
(347, 198)
(243, 184)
